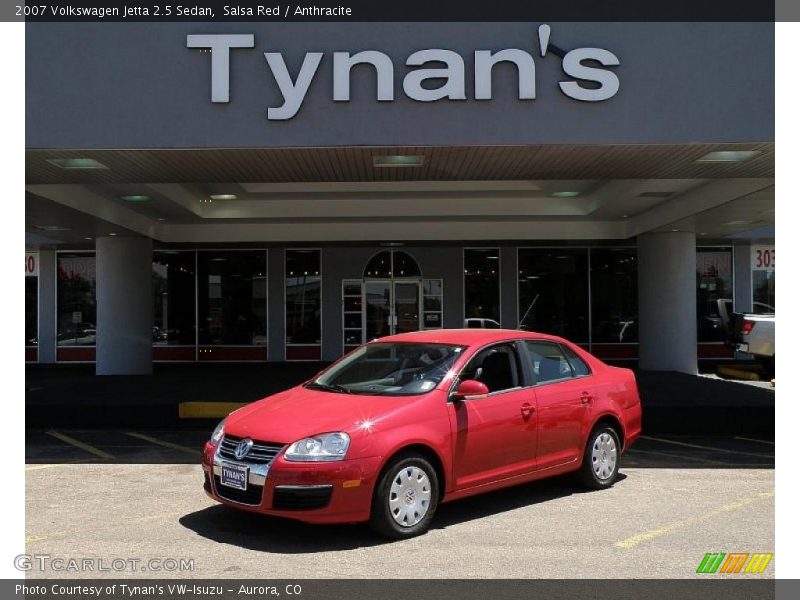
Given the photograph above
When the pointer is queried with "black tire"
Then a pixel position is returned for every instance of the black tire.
(596, 476)
(382, 520)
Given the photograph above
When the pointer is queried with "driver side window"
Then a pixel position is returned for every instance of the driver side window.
(496, 367)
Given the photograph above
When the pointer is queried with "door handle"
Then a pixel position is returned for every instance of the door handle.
(586, 399)
(526, 410)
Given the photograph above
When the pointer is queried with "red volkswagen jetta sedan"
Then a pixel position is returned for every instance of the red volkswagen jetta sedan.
(408, 421)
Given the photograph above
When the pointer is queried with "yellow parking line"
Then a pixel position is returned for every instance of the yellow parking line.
(747, 439)
(647, 536)
(82, 445)
(152, 440)
(682, 456)
(688, 445)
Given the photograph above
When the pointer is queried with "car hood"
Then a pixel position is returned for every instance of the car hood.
(299, 412)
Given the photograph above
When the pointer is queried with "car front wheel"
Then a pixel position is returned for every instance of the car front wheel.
(601, 458)
(405, 498)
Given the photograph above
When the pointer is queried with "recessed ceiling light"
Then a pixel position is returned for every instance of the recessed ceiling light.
(76, 163)
(655, 194)
(674, 230)
(392, 244)
(51, 228)
(135, 198)
(728, 156)
(223, 196)
(112, 234)
(161, 219)
(88, 238)
(565, 194)
(703, 233)
(738, 222)
(398, 160)
(624, 216)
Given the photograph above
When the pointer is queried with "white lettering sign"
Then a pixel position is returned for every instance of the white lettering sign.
(762, 258)
(31, 264)
(435, 74)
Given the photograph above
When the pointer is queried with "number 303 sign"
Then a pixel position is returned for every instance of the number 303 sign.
(762, 258)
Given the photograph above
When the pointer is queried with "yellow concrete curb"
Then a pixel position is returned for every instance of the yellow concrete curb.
(207, 410)
(737, 373)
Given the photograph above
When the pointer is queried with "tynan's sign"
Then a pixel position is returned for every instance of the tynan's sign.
(588, 77)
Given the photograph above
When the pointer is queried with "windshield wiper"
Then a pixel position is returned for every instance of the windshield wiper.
(315, 385)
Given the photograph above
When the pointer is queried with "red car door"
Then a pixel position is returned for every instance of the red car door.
(494, 436)
(564, 395)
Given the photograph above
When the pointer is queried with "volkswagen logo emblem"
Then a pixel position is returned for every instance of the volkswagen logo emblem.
(242, 448)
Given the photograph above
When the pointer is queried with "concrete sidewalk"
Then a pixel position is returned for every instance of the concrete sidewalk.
(72, 396)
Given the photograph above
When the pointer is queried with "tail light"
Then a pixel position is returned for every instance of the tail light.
(747, 327)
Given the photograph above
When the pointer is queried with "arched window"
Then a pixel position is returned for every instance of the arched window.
(391, 264)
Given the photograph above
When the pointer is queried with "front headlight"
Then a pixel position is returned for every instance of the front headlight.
(218, 432)
(325, 447)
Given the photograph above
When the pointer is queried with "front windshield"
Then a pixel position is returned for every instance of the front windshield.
(390, 369)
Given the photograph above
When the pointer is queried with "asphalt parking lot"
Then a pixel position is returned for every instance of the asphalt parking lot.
(138, 495)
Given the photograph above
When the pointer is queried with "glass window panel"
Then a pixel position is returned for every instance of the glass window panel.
(76, 293)
(352, 337)
(405, 266)
(173, 298)
(303, 303)
(714, 285)
(615, 297)
(764, 292)
(379, 266)
(352, 320)
(432, 287)
(553, 292)
(31, 310)
(232, 293)
(547, 362)
(352, 303)
(482, 283)
(433, 320)
(352, 289)
(433, 303)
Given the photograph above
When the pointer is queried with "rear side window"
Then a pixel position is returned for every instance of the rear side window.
(547, 362)
(579, 366)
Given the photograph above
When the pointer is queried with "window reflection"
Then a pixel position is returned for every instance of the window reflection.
(303, 304)
(232, 298)
(482, 283)
(615, 299)
(76, 293)
(714, 288)
(554, 292)
(173, 298)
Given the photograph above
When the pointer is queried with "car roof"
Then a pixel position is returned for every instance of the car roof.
(467, 337)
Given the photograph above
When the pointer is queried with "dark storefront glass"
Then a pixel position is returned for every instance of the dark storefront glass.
(714, 287)
(554, 292)
(173, 298)
(764, 292)
(232, 297)
(482, 283)
(77, 310)
(31, 310)
(615, 298)
(303, 303)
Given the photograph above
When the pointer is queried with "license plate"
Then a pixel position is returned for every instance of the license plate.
(234, 476)
(742, 347)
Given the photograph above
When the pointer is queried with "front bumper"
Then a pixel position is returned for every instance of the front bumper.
(323, 492)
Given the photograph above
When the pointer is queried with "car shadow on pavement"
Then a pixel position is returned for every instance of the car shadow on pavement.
(263, 533)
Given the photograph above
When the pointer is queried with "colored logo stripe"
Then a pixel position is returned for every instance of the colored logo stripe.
(758, 563)
(736, 562)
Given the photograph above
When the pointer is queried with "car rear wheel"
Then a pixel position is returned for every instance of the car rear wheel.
(405, 498)
(601, 458)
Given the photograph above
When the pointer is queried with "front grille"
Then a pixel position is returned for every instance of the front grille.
(301, 497)
(262, 453)
(252, 495)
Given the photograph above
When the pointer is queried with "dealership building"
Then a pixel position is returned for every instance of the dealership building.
(256, 192)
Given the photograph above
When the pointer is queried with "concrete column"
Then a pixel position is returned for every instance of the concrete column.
(47, 328)
(742, 279)
(124, 306)
(668, 302)
(276, 308)
(508, 288)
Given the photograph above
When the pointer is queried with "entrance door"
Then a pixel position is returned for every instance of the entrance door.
(392, 307)
(406, 306)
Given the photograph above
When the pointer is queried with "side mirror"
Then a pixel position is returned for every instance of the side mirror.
(470, 388)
